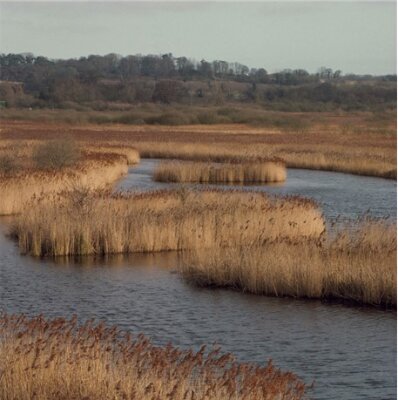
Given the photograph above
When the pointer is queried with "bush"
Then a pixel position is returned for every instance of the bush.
(8, 164)
(56, 154)
(207, 118)
(168, 119)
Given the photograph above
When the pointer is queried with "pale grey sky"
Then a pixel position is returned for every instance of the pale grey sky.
(357, 37)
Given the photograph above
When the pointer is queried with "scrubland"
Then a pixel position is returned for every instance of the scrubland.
(231, 172)
(88, 223)
(59, 359)
(355, 265)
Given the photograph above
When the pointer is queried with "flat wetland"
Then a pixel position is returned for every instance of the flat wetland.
(347, 349)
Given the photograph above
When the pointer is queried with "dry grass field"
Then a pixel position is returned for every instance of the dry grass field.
(211, 172)
(359, 143)
(58, 359)
(355, 266)
(88, 223)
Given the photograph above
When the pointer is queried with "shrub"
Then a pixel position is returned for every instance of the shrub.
(56, 154)
(168, 119)
(207, 118)
(8, 164)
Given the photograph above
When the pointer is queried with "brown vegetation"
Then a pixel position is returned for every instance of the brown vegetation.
(357, 265)
(32, 169)
(56, 154)
(231, 172)
(359, 143)
(87, 223)
(21, 188)
(58, 359)
(132, 155)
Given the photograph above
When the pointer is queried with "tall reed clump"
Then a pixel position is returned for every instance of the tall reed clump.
(357, 265)
(83, 222)
(229, 172)
(58, 359)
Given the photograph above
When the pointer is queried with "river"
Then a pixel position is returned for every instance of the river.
(350, 352)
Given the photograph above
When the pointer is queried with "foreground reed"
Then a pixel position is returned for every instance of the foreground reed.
(230, 172)
(87, 223)
(58, 359)
(357, 265)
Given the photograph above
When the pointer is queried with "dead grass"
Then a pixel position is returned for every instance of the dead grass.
(357, 265)
(58, 359)
(87, 223)
(231, 172)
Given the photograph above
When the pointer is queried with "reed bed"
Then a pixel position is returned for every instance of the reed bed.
(378, 162)
(23, 149)
(26, 174)
(87, 223)
(344, 142)
(58, 359)
(231, 172)
(96, 171)
(355, 265)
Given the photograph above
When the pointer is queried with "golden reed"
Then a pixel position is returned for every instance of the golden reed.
(96, 168)
(96, 171)
(227, 172)
(82, 222)
(347, 142)
(357, 265)
(58, 359)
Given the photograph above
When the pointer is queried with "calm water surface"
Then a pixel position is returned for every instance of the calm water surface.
(348, 351)
(340, 195)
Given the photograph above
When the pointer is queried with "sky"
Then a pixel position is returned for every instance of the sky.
(355, 37)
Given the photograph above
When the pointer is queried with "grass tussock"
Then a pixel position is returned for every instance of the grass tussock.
(356, 265)
(87, 223)
(58, 359)
(231, 172)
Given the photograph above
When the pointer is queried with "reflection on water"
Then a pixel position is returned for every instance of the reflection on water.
(348, 351)
(344, 195)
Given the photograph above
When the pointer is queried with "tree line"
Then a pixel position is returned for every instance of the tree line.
(165, 78)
